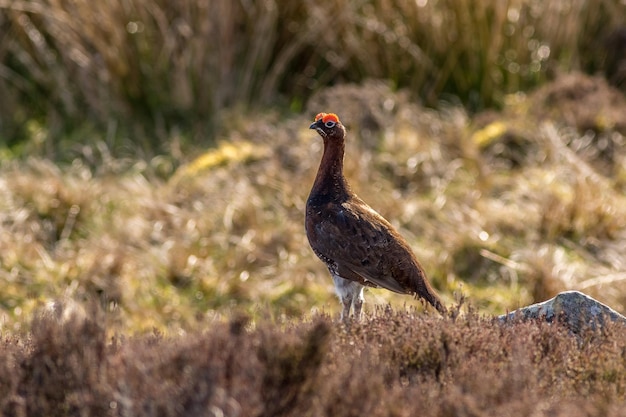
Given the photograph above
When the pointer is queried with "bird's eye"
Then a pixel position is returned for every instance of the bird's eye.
(329, 124)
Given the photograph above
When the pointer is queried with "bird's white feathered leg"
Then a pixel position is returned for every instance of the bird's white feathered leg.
(357, 301)
(351, 295)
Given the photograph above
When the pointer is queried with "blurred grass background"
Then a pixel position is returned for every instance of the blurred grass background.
(137, 73)
(155, 155)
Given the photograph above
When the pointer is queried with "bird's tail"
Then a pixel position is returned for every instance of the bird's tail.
(436, 302)
(428, 293)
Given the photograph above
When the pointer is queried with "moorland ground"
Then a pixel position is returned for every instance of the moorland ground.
(152, 189)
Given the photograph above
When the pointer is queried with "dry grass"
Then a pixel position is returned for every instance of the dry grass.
(506, 209)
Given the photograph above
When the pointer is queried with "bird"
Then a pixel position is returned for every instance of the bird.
(358, 245)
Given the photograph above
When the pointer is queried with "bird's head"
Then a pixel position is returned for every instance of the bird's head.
(328, 126)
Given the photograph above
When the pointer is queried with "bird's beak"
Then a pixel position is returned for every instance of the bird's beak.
(317, 125)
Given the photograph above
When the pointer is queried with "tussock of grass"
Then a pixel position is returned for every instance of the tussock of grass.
(393, 363)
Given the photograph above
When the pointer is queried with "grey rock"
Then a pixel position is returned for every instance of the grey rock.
(574, 309)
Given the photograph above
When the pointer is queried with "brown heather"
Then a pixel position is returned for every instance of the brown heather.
(393, 363)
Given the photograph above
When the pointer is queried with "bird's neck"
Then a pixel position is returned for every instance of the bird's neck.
(330, 180)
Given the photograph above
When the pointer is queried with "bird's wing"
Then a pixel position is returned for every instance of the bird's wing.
(362, 242)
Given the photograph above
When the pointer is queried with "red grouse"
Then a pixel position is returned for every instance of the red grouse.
(359, 247)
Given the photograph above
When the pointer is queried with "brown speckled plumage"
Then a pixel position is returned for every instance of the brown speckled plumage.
(359, 247)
